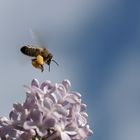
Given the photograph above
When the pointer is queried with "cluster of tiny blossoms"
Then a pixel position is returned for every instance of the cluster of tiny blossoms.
(50, 112)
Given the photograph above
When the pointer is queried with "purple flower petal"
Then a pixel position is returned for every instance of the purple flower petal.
(35, 83)
(49, 123)
(71, 98)
(41, 132)
(29, 125)
(36, 115)
(46, 85)
(84, 114)
(67, 84)
(61, 110)
(82, 121)
(49, 111)
(18, 107)
(65, 136)
(13, 115)
(48, 103)
(83, 107)
(61, 89)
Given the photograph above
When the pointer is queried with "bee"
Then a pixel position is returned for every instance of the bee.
(41, 56)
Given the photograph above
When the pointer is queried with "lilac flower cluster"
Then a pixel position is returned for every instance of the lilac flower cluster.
(50, 112)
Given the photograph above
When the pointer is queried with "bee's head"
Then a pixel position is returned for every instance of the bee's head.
(49, 59)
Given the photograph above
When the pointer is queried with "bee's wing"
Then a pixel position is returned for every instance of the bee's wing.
(36, 39)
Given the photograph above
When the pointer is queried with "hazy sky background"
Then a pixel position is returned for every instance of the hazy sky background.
(96, 43)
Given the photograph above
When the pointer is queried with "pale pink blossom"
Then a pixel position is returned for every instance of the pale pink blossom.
(51, 112)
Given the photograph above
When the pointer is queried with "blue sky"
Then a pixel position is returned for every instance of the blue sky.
(98, 48)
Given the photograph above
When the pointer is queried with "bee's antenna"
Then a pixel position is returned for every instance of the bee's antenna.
(55, 62)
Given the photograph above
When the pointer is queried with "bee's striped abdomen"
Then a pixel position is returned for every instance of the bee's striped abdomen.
(30, 51)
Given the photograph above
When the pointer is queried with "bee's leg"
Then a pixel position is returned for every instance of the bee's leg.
(34, 59)
(42, 68)
(49, 68)
(37, 65)
(34, 63)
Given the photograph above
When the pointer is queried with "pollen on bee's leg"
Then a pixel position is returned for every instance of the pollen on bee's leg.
(40, 60)
(34, 63)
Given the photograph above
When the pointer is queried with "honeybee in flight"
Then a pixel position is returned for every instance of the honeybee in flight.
(41, 56)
